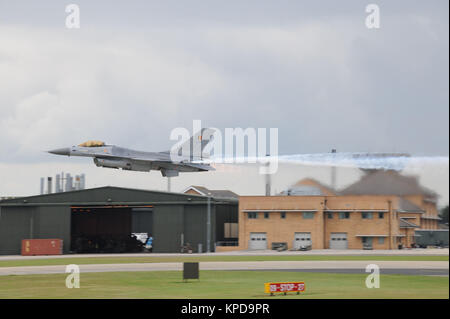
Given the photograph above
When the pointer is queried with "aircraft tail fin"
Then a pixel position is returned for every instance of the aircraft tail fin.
(195, 146)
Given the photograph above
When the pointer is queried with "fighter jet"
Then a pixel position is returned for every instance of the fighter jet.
(111, 156)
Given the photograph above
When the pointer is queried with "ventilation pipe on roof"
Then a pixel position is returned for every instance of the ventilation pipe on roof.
(333, 172)
(268, 179)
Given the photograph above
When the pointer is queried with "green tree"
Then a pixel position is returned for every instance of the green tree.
(444, 214)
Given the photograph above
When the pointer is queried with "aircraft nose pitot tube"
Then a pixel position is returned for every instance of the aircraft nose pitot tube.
(61, 151)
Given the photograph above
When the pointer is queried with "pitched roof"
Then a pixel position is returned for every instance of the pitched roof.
(215, 193)
(387, 183)
(405, 224)
(308, 187)
(405, 206)
(102, 194)
(7, 197)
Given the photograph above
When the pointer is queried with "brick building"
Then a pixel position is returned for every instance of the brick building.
(381, 211)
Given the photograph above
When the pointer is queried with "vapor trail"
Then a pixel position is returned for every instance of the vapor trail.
(386, 161)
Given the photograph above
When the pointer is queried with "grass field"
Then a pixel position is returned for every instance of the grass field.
(221, 285)
(149, 259)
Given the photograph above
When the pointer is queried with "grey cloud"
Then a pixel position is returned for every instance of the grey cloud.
(135, 71)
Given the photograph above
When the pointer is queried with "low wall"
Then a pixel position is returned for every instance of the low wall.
(221, 249)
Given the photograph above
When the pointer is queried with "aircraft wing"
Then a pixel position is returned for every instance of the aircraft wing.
(168, 165)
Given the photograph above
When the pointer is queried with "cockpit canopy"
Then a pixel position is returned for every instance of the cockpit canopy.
(92, 144)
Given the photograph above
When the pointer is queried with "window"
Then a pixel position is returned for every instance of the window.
(252, 215)
(381, 216)
(330, 215)
(266, 215)
(366, 215)
(308, 215)
(344, 215)
(381, 240)
(283, 215)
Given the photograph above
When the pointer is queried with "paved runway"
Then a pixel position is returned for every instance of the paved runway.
(400, 267)
(315, 252)
(411, 272)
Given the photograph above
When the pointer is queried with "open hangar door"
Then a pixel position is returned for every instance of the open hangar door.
(108, 229)
(142, 222)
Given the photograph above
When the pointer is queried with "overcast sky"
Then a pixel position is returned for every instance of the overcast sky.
(137, 69)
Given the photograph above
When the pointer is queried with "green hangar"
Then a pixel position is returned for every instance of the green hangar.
(109, 220)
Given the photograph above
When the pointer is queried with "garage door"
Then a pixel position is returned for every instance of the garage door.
(338, 241)
(258, 241)
(302, 240)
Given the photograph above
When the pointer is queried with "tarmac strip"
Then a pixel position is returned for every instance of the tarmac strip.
(407, 267)
(315, 252)
(385, 271)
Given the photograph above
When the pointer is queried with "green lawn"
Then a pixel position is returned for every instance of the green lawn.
(220, 284)
(150, 259)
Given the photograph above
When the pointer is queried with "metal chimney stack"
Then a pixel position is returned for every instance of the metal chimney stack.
(49, 185)
(268, 185)
(42, 185)
(77, 182)
(61, 187)
(69, 183)
(268, 180)
(333, 173)
(57, 184)
(63, 183)
(82, 181)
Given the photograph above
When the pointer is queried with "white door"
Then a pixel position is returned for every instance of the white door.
(302, 240)
(258, 241)
(338, 241)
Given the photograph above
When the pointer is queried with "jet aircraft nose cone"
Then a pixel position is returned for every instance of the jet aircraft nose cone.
(61, 151)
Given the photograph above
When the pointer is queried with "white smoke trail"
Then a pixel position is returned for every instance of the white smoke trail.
(386, 161)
